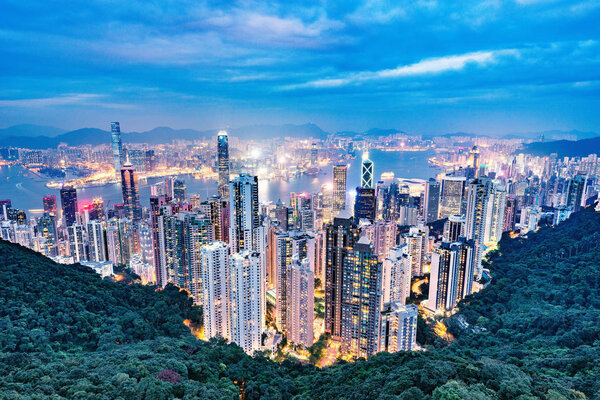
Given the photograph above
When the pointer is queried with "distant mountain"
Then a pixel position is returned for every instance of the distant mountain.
(374, 132)
(564, 148)
(30, 130)
(573, 134)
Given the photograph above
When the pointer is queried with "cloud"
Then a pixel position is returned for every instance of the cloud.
(429, 66)
(87, 99)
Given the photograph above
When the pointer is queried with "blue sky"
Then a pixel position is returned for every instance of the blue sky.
(424, 66)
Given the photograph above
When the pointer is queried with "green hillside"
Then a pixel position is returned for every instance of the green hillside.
(534, 332)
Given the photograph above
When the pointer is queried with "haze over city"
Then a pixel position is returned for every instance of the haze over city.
(425, 67)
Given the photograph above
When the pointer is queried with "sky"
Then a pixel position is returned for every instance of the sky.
(423, 66)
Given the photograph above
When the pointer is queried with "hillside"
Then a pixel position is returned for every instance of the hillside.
(563, 148)
(534, 332)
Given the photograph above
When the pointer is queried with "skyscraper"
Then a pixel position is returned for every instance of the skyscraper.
(365, 206)
(117, 146)
(246, 287)
(50, 205)
(47, 230)
(476, 217)
(453, 228)
(342, 235)
(243, 212)
(398, 327)
(452, 196)
(131, 198)
(575, 191)
(366, 175)
(432, 200)
(223, 163)
(76, 235)
(339, 189)
(179, 191)
(360, 300)
(216, 289)
(68, 201)
(157, 229)
(397, 275)
(416, 241)
(96, 245)
(300, 298)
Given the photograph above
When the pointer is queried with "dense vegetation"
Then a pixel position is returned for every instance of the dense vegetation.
(534, 332)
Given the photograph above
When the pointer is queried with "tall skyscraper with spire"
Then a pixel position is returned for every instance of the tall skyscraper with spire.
(223, 163)
(366, 176)
(117, 146)
(131, 197)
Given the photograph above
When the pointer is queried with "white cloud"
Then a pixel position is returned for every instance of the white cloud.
(429, 66)
(88, 99)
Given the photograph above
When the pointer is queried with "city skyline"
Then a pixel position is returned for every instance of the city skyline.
(425, 67)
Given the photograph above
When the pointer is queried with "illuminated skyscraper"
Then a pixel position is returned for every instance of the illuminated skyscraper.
(432, 200)
(68, 200)
(398, 327)
(476, 217)
(452, 196)
(243, 212)
(246, 291)
(76, 235)
(314, 155)
(179, 191)
(339, 188)
(453, 228)
(342, 235)
(216, 289)
(360, 300)
(131, 197)
(223, 163)
(96, 245)
(300, 299)
(46, 226)
(575, 191)
(365, 205)
(157, 229)
(474, 155)
(117, 146)
(416, 241)
(366, 175)
(50, 205)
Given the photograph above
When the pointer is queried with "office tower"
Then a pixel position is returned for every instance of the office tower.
(366, 174)
(117, 146)
(452, 196)
(476, 217)
(149, 161)
(95, 239)
(246, 287)
(243, 212)
(76, 235)
(46, 226)
(495, 217)
(216, 289)
(416, 241)
(306, 214)
(327, 202)
(131, 197)
(314, 155)
(50, 205)
(342, 235)
(453, 228)
(452, 272)
(339, 189)
(365, 206)
(288, 245)
(97, 208)
(432, 200)
(360, 300)
(300, 298)
(396, 275)
(184, 235)
(381, 234)
(575, 191)
(157, 229)
(223, 163)
(281, 214)
(398, 327)
(179, 191)
(68, 201)
(510, 211)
